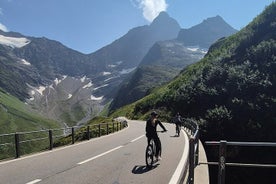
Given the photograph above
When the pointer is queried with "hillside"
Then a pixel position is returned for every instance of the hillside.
(231, 91)
(237, 76)
(160, 65)
(12, 111)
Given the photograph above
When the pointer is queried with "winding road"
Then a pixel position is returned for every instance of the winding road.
(117, 158)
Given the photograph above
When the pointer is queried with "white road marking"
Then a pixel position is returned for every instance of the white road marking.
(177, 173)
(137, 138)
(34, 181)
(102, 154)
(62, 148)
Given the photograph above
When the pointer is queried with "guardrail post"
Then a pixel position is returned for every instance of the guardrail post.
(99, 130)
(197, 148)
(107, 131)
(191, 160)
(50, 139)
(221, 166)
(73, 135)
(17, 147)
(120, 125)
(113, 127)
(88, 132)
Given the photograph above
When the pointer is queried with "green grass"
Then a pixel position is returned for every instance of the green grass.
(18, 117)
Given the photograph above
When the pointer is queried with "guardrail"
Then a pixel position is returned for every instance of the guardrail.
(222, 156)
(192, 129)
(46, 138)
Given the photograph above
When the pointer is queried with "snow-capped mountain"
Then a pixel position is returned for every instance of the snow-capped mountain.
(34, 70)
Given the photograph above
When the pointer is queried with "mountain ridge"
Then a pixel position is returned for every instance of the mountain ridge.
(207, 32)
(170, 57)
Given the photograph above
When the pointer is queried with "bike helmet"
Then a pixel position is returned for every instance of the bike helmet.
(154, 113)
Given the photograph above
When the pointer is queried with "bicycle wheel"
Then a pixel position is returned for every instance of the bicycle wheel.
(149, 155)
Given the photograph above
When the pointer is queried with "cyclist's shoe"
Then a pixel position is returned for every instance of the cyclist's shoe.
(159, 158)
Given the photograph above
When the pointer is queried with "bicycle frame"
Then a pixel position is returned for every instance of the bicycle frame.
(151, 152)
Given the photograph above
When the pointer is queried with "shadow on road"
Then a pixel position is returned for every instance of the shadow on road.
(140, 169)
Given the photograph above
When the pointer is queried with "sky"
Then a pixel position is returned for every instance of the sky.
(88, 25)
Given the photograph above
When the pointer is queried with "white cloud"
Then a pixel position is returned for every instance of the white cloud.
(3, 28)
(151, 8)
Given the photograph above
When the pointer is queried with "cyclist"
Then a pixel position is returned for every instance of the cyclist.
(177, 120)
(151, 133)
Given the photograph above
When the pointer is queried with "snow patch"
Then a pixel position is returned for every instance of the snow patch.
(24, 62)
(57, 81)
(41, 89)
(100, 87)
(96, 98)
(119, 62)
(87, 85)
(194, 49)
(116, 64)
(32, 92)
(108, 79)
(112, 66)
(83, 79)
(106, 73)
(14, 42)
(126, 71)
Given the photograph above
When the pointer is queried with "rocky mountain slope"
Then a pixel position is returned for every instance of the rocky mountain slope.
(206, 33)
(67, 85)
(166, 59)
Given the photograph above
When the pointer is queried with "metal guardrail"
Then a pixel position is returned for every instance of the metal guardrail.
(19, 138)
(192, 128)
(222, 156)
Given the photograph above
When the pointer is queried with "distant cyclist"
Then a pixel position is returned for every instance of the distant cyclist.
(178, 121)
(151, 133)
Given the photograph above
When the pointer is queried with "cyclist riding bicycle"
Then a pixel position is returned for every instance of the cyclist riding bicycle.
(178, 121)
(151, 133)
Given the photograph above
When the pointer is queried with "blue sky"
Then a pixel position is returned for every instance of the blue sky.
(88, 25)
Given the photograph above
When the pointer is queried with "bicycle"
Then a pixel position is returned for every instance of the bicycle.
(177, 127)
(151, 152)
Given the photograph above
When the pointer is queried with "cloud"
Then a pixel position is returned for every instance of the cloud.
(151, 8)
(3, 28)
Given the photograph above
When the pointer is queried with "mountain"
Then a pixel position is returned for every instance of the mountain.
(234, 84)
(232, 94)
(160, 65)
(166, 59)
(132, 47)
(206, 33)
(66, 85)
(32, 69)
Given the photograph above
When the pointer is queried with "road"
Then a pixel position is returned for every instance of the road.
(117, 158)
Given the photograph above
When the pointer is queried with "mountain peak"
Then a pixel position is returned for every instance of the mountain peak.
(217, 20)
(164, 20)
(206, 33)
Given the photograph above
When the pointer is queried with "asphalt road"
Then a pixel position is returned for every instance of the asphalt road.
(117, 158)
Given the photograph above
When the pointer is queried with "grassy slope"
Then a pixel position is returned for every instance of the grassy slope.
(17, 117)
